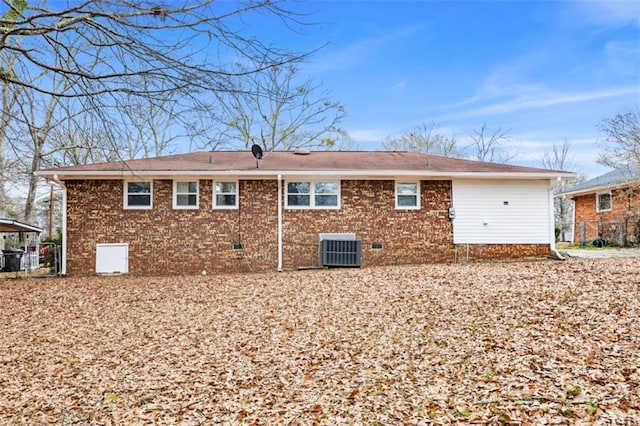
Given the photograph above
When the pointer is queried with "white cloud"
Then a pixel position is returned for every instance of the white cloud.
(603, 12)
(540, 98)
(357, 52)
(400, 85)
(368, 135)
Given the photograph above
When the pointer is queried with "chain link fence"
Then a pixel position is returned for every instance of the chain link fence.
(621, 233)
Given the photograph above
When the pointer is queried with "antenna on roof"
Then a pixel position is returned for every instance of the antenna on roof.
(256, 150)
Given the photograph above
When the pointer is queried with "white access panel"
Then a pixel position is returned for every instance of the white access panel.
(501, 212)
(112, 258)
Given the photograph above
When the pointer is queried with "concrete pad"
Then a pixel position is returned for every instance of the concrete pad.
(604, 253)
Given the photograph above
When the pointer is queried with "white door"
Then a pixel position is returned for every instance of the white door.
(112, 258)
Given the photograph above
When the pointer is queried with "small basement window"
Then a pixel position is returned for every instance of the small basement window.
(185, 194)
(603, 202)
(376, 246)
(138, 195)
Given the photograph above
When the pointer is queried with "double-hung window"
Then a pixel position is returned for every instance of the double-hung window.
(407, 195)
(310, 194)
(185, 194)
(603, 202)
(225, 195)
(138, 195)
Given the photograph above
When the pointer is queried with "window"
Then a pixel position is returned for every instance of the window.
(322, 195)
(603, 202)
(407, 195)
(326, 194)
(225, 195)
(185, 195)
(138, 195)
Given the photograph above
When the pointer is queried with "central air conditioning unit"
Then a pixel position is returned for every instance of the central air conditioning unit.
(341, 250)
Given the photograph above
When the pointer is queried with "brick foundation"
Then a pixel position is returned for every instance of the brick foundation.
(478, 252)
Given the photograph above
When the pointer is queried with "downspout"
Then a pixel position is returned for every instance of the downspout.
(63, 265)
(552, 225)
(573, 220)
(279, 223)
(552, 218)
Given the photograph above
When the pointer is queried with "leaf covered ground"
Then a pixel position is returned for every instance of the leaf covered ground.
(498, 343)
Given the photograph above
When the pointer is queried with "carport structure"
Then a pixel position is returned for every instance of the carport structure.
(27, 257)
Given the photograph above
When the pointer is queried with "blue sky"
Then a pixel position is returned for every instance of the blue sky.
(544, 70)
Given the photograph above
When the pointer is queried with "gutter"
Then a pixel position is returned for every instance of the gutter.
(270, 174)
(63, 266)
(592, 190)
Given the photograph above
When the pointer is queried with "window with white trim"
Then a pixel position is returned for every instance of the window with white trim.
(225, 195)
(313, 195)
(185, 194)
(138, 195)
(603, 202)
(407, 195)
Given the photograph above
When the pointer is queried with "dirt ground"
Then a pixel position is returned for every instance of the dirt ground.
(545, 342)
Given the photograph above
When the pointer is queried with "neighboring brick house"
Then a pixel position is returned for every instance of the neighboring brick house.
(227, 212)
(607, 207)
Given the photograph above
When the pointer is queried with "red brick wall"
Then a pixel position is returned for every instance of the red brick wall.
(368, 210)
(622, 201)
(167, 241)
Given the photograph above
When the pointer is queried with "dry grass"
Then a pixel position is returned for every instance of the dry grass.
(555, 342)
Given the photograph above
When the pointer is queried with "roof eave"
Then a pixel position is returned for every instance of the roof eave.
(271, 174)
(12, 225)
(593, 190)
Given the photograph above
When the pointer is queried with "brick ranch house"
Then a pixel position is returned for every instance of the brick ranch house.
(607, 207)
(228, 212)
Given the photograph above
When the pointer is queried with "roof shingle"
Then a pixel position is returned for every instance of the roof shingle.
(316, 161)
(616, 177)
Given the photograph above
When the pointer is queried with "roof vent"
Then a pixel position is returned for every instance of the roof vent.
(302, 151)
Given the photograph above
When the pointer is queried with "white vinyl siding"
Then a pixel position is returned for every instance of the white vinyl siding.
(501, 212)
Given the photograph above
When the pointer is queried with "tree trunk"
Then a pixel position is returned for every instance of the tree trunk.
(33, 179)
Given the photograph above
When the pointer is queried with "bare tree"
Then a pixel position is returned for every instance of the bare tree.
(179, 45)
(427, 140)
(489, 144)
(559, 157)
(280, 111)
(153, 126)
(38, 118)
(621, 141)
(93, 57)
(9, 101)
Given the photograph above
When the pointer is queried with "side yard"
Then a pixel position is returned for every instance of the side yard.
(536, 342)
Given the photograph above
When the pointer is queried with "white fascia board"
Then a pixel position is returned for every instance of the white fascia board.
(273, 174)
(594, 190)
